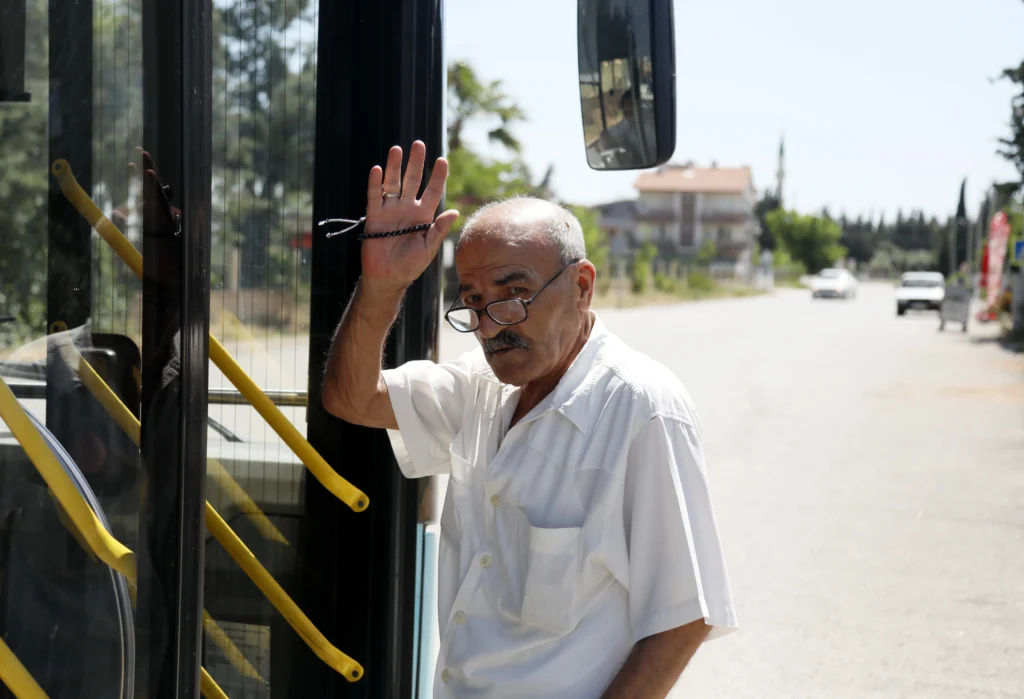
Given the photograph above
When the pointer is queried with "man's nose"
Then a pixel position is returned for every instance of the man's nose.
(488, 328)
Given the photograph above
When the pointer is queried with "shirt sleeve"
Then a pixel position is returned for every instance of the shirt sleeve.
(676, 569)
(428, 400)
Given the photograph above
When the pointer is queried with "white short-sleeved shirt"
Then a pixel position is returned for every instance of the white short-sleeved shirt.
(566, 539)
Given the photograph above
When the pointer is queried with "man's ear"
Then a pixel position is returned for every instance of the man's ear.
(585, 277)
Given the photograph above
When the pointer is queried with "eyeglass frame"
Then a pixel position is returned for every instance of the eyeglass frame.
(525, 303)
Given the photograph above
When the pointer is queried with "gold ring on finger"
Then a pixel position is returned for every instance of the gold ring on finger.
(390, 195)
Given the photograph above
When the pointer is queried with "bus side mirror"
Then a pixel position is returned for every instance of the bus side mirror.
(627, 82)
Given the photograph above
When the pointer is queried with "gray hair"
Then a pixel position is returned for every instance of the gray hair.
(561, 226)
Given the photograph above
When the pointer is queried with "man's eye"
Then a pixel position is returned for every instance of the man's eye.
(469, 300)
(517, 291)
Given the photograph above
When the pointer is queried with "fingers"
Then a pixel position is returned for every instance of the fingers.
(414, 171)
(437, 232)
(435, 188)
(393, 171)
(373, 197)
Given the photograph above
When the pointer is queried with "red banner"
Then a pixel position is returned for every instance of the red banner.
(998, 234)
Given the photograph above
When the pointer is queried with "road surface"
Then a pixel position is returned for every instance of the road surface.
(868, 478)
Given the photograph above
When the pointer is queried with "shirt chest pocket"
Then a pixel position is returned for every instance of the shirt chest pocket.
(551, 576)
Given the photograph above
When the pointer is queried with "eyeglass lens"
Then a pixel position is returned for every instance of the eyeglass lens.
(503, 312)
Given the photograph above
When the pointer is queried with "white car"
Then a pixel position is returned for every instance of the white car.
(834, 283)
(920, 290)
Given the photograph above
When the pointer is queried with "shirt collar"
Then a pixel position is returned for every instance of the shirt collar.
(570, 396)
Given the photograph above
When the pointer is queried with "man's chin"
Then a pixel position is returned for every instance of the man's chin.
(509, 365)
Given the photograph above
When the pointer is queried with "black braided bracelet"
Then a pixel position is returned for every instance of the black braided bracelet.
(364, 236)
(395, 234)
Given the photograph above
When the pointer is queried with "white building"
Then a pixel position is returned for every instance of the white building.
(680, 207)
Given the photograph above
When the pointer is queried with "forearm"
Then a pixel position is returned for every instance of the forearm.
(353, 387)
(656, 663)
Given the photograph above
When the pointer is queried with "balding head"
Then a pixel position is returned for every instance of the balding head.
(519, 219)
(528, 256)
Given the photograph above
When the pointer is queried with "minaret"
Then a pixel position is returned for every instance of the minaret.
(780, 174)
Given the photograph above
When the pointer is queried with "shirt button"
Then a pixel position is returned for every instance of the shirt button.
(485, 561)
(460, 618)
(445, 676)
(495, 500)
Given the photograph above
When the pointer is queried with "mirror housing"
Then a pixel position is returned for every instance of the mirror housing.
(627, 82)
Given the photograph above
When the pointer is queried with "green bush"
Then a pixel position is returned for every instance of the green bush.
(664, 283)
(640, 272)
(700, 281)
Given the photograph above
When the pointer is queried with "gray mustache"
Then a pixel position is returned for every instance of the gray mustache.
(506, 339)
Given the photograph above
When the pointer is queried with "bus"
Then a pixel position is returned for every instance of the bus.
(179, 516)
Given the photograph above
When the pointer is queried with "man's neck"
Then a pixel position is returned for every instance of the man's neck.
(535, 391)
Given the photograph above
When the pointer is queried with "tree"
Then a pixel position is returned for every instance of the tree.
(1013, 147)
(264, 110)
(858, 238)
(811, 240)
(469, 98)
(708, 251)
(476, 179)
(23, 192)
(765, 205)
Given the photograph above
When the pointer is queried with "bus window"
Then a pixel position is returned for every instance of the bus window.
(264, 116)
(93, 437)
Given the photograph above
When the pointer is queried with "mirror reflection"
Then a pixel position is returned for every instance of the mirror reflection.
(617, 84)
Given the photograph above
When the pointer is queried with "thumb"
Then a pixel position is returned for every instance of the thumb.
(437, 232)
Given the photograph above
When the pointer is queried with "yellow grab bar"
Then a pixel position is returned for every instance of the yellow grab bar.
(341, 488)
(130, 424)
(229, 649)
(101, 542)
(209, 688)
(270, 588)
(103, 225)
(16, 677)
(23, 685)
(245, 503)
(127, 421)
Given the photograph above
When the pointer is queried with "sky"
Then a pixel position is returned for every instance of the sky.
(884, 104)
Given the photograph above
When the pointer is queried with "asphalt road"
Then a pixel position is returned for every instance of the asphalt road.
(868, 478)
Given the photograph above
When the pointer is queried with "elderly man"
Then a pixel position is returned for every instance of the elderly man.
(579, 555)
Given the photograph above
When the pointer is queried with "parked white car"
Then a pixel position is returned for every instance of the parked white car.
(920, 290)
(835, 284)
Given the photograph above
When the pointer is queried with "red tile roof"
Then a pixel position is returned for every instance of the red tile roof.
(715, 180)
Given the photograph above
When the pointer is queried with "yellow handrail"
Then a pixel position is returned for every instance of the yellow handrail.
(16, 677)
(100, 541)
(209, 688)
(341, 488)
(86, 524)
(270, 588)
(266, 583)
(127, 421)
(130, 424)
(229, 649)
(245, 503)
(21, 683)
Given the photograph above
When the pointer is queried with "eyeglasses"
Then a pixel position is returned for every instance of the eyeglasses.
(506, 312)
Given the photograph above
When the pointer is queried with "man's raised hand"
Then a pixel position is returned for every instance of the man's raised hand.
(392, 204)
